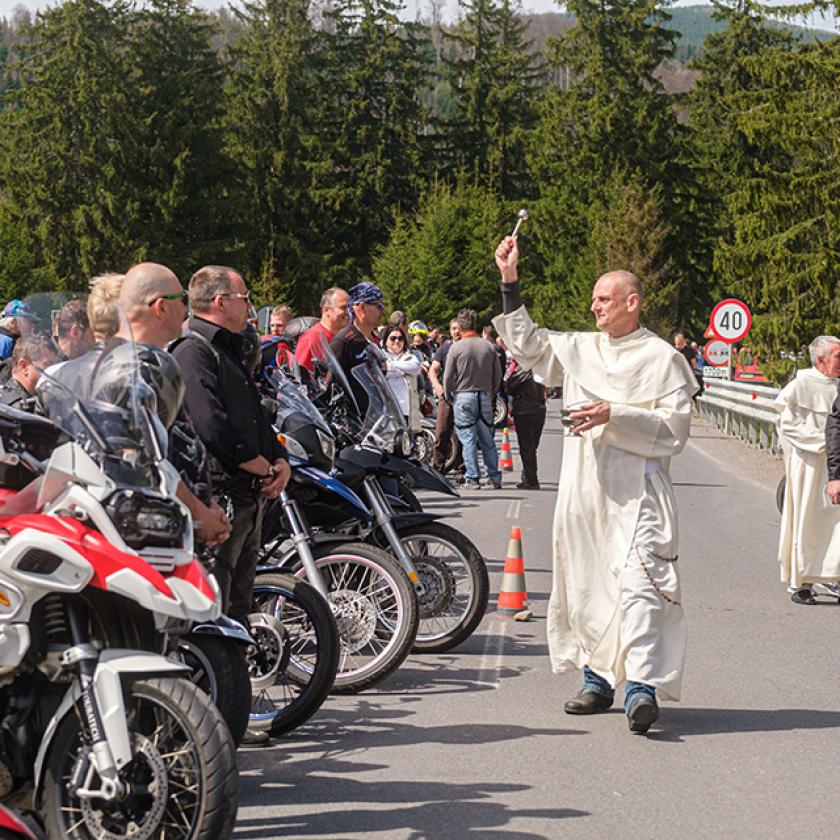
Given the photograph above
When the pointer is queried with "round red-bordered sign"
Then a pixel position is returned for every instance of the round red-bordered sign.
(731, 320)
(717, 353)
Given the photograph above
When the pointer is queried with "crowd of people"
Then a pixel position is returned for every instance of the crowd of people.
(460, 393)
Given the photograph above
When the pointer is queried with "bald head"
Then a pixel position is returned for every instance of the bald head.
(616, 302)
(627, 282)
(152, 302)
(145, 282)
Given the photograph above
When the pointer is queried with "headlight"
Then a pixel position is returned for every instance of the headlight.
(146, 520)
(327, 444)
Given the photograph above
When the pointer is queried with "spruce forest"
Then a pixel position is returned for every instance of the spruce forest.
(312, 144)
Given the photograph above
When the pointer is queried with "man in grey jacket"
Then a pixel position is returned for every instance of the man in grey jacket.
(470, 380)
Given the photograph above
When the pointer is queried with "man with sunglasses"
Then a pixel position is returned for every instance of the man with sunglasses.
(365, 307)
(247, 461)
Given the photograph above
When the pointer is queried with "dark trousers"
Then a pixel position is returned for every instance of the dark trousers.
(236, 558)
(529, 429)
(445, 439)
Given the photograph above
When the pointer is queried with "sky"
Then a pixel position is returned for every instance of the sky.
(7, 6)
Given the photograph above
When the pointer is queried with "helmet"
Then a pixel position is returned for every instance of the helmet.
(298, 326)
(252, 347)
(162, 374)
(161, 389)
(417, 328)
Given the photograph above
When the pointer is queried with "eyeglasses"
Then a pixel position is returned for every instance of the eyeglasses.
(395, 338)
(246, 296)
(378, 304)
(183, 296)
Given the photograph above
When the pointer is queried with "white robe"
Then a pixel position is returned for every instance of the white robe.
(809, 544)
(615, 601)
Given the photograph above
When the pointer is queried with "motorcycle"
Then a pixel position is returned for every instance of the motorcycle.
(369, 594)
(111, 737)
(448, 571)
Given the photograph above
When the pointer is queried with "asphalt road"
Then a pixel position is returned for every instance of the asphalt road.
(474, 743)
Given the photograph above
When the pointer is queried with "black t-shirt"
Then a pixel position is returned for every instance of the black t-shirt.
(441, 353)
(689, 354)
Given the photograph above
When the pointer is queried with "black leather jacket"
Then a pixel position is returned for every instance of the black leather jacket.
(832, 440)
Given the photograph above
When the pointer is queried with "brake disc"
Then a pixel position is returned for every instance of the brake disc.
(270, 656)
(355, 616)
(157, 787)
(437, 578)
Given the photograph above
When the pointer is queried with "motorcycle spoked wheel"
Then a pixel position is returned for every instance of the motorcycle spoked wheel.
(375, 608)
(457, 585)
(293, 665)
(183, 778)
(219, 668)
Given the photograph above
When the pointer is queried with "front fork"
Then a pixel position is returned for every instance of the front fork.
(300, 537)
(384, 515)
(83, 657)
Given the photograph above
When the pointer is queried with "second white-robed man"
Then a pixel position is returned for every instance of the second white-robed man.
(615, 608)
(809, 544)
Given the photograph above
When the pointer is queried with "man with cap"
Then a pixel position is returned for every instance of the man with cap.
(365, 307)
(18, 320)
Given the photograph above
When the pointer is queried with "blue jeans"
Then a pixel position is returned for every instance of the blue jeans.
(474, 427)
(593, 682)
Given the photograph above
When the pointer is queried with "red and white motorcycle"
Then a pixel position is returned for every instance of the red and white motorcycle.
(94, 549)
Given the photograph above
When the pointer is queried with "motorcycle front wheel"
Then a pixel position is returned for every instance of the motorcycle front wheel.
(182, 781)
(456, 583)
(293, 664)
(375, 609)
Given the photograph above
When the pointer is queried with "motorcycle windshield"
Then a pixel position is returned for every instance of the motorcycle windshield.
(384, 421)
(294, 408)
(328, 371)
(102, 401)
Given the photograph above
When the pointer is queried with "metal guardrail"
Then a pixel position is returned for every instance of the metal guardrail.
(742, 410)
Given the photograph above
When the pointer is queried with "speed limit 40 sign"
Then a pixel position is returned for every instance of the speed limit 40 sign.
(731, 320)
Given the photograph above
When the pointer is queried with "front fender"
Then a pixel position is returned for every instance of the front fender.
(288, 560)
(114, 665)
(225, 627)
(401, 521)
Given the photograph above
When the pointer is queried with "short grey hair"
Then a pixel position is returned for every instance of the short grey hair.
(208, 282)
(819, 346)
(466, 319)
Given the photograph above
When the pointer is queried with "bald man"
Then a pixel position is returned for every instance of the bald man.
(153, 304)
(615, 609)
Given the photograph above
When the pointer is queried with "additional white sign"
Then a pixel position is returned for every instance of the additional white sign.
(731, 320)
(710, 372)
(717, 353)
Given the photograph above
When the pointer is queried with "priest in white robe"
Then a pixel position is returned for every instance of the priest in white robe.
(809, 545)
(615, 609)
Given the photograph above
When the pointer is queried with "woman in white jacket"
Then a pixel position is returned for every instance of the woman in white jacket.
(403, 369)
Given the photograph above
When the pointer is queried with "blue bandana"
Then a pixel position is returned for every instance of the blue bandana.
(363, 292)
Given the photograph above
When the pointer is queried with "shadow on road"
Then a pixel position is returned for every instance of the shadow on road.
(448, 818)
(321, 758)
(691, 722)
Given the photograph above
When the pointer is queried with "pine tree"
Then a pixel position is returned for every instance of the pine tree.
(370, 156)
(272, 108)
(608, 114)
(442, 259)
(495, 79)
(717, 153)
(62, 136)
(783, 255)
(175, 160)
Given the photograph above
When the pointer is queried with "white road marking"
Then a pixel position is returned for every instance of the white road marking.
(514, 508)
(491, 660)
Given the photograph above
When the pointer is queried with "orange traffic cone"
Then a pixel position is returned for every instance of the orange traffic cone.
(512, 595)
(506, 461)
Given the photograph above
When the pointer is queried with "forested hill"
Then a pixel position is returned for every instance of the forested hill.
(693, 23)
